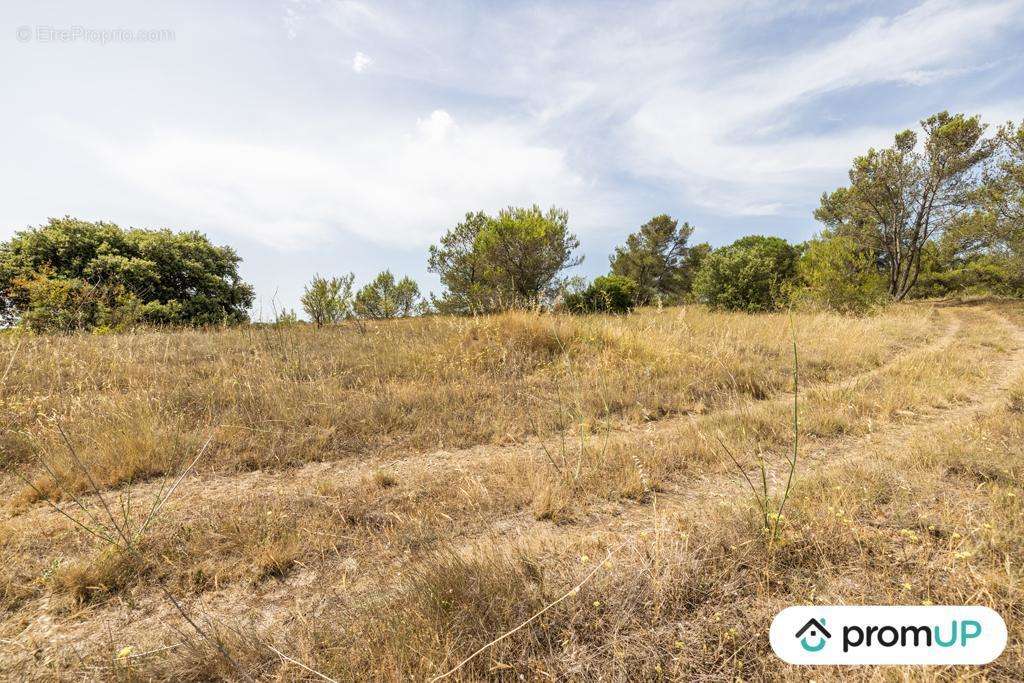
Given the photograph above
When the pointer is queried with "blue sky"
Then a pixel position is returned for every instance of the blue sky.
(335, 136)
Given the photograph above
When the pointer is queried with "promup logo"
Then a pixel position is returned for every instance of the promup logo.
(888, 635)
(817, 629)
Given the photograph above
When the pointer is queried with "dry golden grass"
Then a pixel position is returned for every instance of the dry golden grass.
(505, 458)
(137, 405)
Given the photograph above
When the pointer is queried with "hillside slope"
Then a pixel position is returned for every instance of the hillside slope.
(381, 505)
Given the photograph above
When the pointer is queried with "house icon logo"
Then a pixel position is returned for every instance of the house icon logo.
(817, 633)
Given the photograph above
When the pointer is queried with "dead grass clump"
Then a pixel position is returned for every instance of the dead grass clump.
(251, 541)
(1015, 401)
(521, 341)
(94, 578)
(189, 658)
(385, 479)
(446, 605)
(453, 602)
(118, 448)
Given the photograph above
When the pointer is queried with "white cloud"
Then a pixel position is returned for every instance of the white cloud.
(609, 109)
(659, 91)
(725, 140)
(437, 126)
(398, 188)
(360, 62)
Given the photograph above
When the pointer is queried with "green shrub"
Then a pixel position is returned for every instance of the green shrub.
(753, 273)
(328, 301)
(835, 274)
(58, 305)
(978, 274)
(609, 293)
(386, 298)
(61, 305)
(70, 274)
(286, 318)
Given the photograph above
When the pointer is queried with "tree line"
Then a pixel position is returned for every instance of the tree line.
(939, 211)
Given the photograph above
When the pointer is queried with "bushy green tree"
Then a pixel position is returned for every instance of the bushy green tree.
(608, 293)
(751, 274)
(328, 301)
(692, 262)
(655, 258)
(902, 197)
(163, 276)
(524, 250)
(967, 261)
(462, 268)
(385, 298)
(511, 260)
(835, 273)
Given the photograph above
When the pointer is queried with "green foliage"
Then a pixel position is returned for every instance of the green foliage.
(692, 263)
(655, 258)
(1001, 199)
(57, 304)
(524, 249)
(751, 274)
(384, 298)
(63, 305)
(946, 272)
(836, 274)
(153, 276)
(511, 260)
(608, 293)
(902, 197)
(982, 250)
(1009, 182)
(462, 268)
(328, 301)
(286, 318)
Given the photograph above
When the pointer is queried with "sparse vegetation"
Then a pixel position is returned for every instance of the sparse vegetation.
(426, 538)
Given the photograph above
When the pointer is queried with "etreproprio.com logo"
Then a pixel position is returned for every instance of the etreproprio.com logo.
(887, 635)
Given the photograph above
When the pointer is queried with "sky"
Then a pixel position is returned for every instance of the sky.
(335, 136)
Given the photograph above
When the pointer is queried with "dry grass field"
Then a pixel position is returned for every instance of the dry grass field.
(377, 504)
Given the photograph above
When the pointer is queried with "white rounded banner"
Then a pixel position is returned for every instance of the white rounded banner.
(864, 634)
